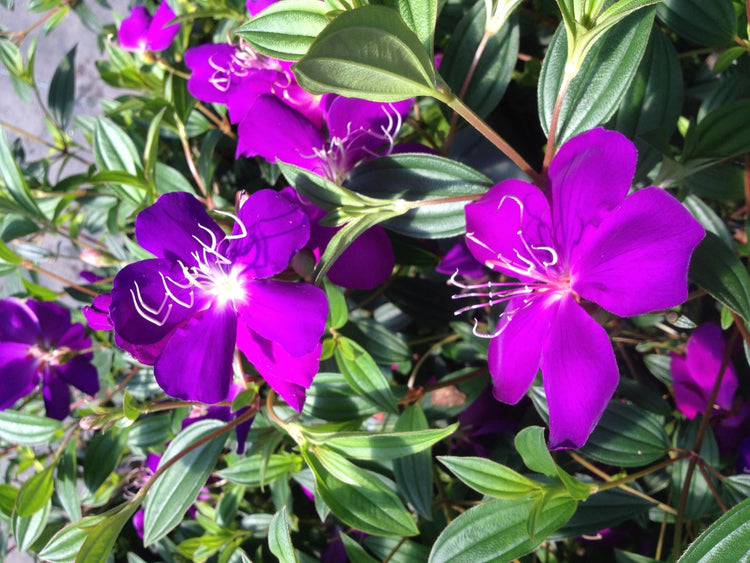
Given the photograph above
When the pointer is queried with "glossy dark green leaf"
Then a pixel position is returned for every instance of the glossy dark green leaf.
(103, 456)
(62, 89)
(600, 85)
(330, 398)
(390, 445)
(414, 473)
(718, 270)
(421, 177)
(704, 23)
(150, 430)
(490, 478)
(249, 471)
(725, 540)
(13, 182)
(355, 552)
(27, 429)
(722, 182)
(358, 497)
(338, 312)
(385, 346)
(700, 499)
(285, 30)
(627, 436)
(279, 540)
(496, 531)
(102, 537)
(425, 300)
(397, 549)
(178, 487)
(363, 374)
(66, 482)
(533, 449)
(722, 133)
(27, 529)
(708, 218)
(493, 70)
(368, 53)
(35, 492)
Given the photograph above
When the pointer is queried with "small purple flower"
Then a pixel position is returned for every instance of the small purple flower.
(143, 32)
(257, 6)
(459, 260)
(694, 374)
(589, 241)
(38, 343)
(207, 292)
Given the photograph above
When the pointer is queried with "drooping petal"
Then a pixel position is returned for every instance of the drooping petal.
(637, 260)
(273, 130)
(18, 323)
(509, 229)
(211, 76)
(79, 373)
(288, 375)
(580, 375)
(97, 314)
(705, 353)
(54, 320)
(134, 28)
(160, 35)
(589, 176)
(176, 227)
(516, 353)
(366, 263)
(688, 395)
(141, 311)
(196, 364)
(19, 373)
(292, 315)
(56, 395)
(270, 230)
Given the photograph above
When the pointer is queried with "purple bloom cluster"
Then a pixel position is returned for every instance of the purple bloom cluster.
(38, 344)
(589, 241)
(143, 32)
(207, 292)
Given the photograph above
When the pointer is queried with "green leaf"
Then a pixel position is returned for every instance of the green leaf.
(8, 494)
(13, 181)
(700, 500)
(11, 58)
(66, 482)
(704, 23)
(421, 177)
(420, 16)
(249, 471)
(357, 496)
(101, 538)
(28, 429)
(602, 81)
(496, 530)
(363, 445)
(724, 540)
(368, 53)
(151, 150)
(355, 552)
(718, 270)
(493, 70)
(330, 398)
(285, 30)
(178, 487)
(27, 529)
(338, 312)
(490, 478)
(414, 473)
(62, 89)
(384, 345)
(708, 218)
(627, 436)
(533, 449)
(66, 543)
(35, 492)
(102, 457)
(721, 133)
(114, 150)
(363, 375)
(279, 540)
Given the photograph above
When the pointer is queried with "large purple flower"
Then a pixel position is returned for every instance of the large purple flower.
(694, 374)
(38, 343)
(590, 241)
(205, 292)
(143, 32)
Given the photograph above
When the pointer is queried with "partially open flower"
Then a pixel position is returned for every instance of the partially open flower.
(143, 32)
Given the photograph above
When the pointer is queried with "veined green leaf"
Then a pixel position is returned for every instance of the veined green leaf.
(704, 23)
(363, 445)
(101, 538)
(13, 182)
(724, 540)
(279, 540)
(414, 472)
(62, 89)
(248, 471)
(363, 374)
(490, 478)
(35, 492)
(27, 429)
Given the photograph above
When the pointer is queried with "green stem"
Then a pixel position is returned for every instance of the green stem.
(464, 111)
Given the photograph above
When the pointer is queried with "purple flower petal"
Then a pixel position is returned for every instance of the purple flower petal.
(273, 130)
(257, 6)
(292, 315)
(459, 259)
(18, 323)
(288, 375)
(274, 229)
(196, 364)
(508, 220)
(637, 260)
(97, 314)
(207, 82)
(160, 35)
(366, 263)
(75, 338)
(138, 294)
(19, 373)
(516, 353)
(133, 29)
(580, 375)
(687, 394)
(242, 95)
(175, 227)
(56, 395)
(589, 176)
(53, 319)
(81, 374)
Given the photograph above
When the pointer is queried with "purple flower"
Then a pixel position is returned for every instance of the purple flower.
(459, 260)
(257, 6)
(366, 263)
(143, 32)
(694, 374)
(205, 292)
(589, 241)
(38, 343)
